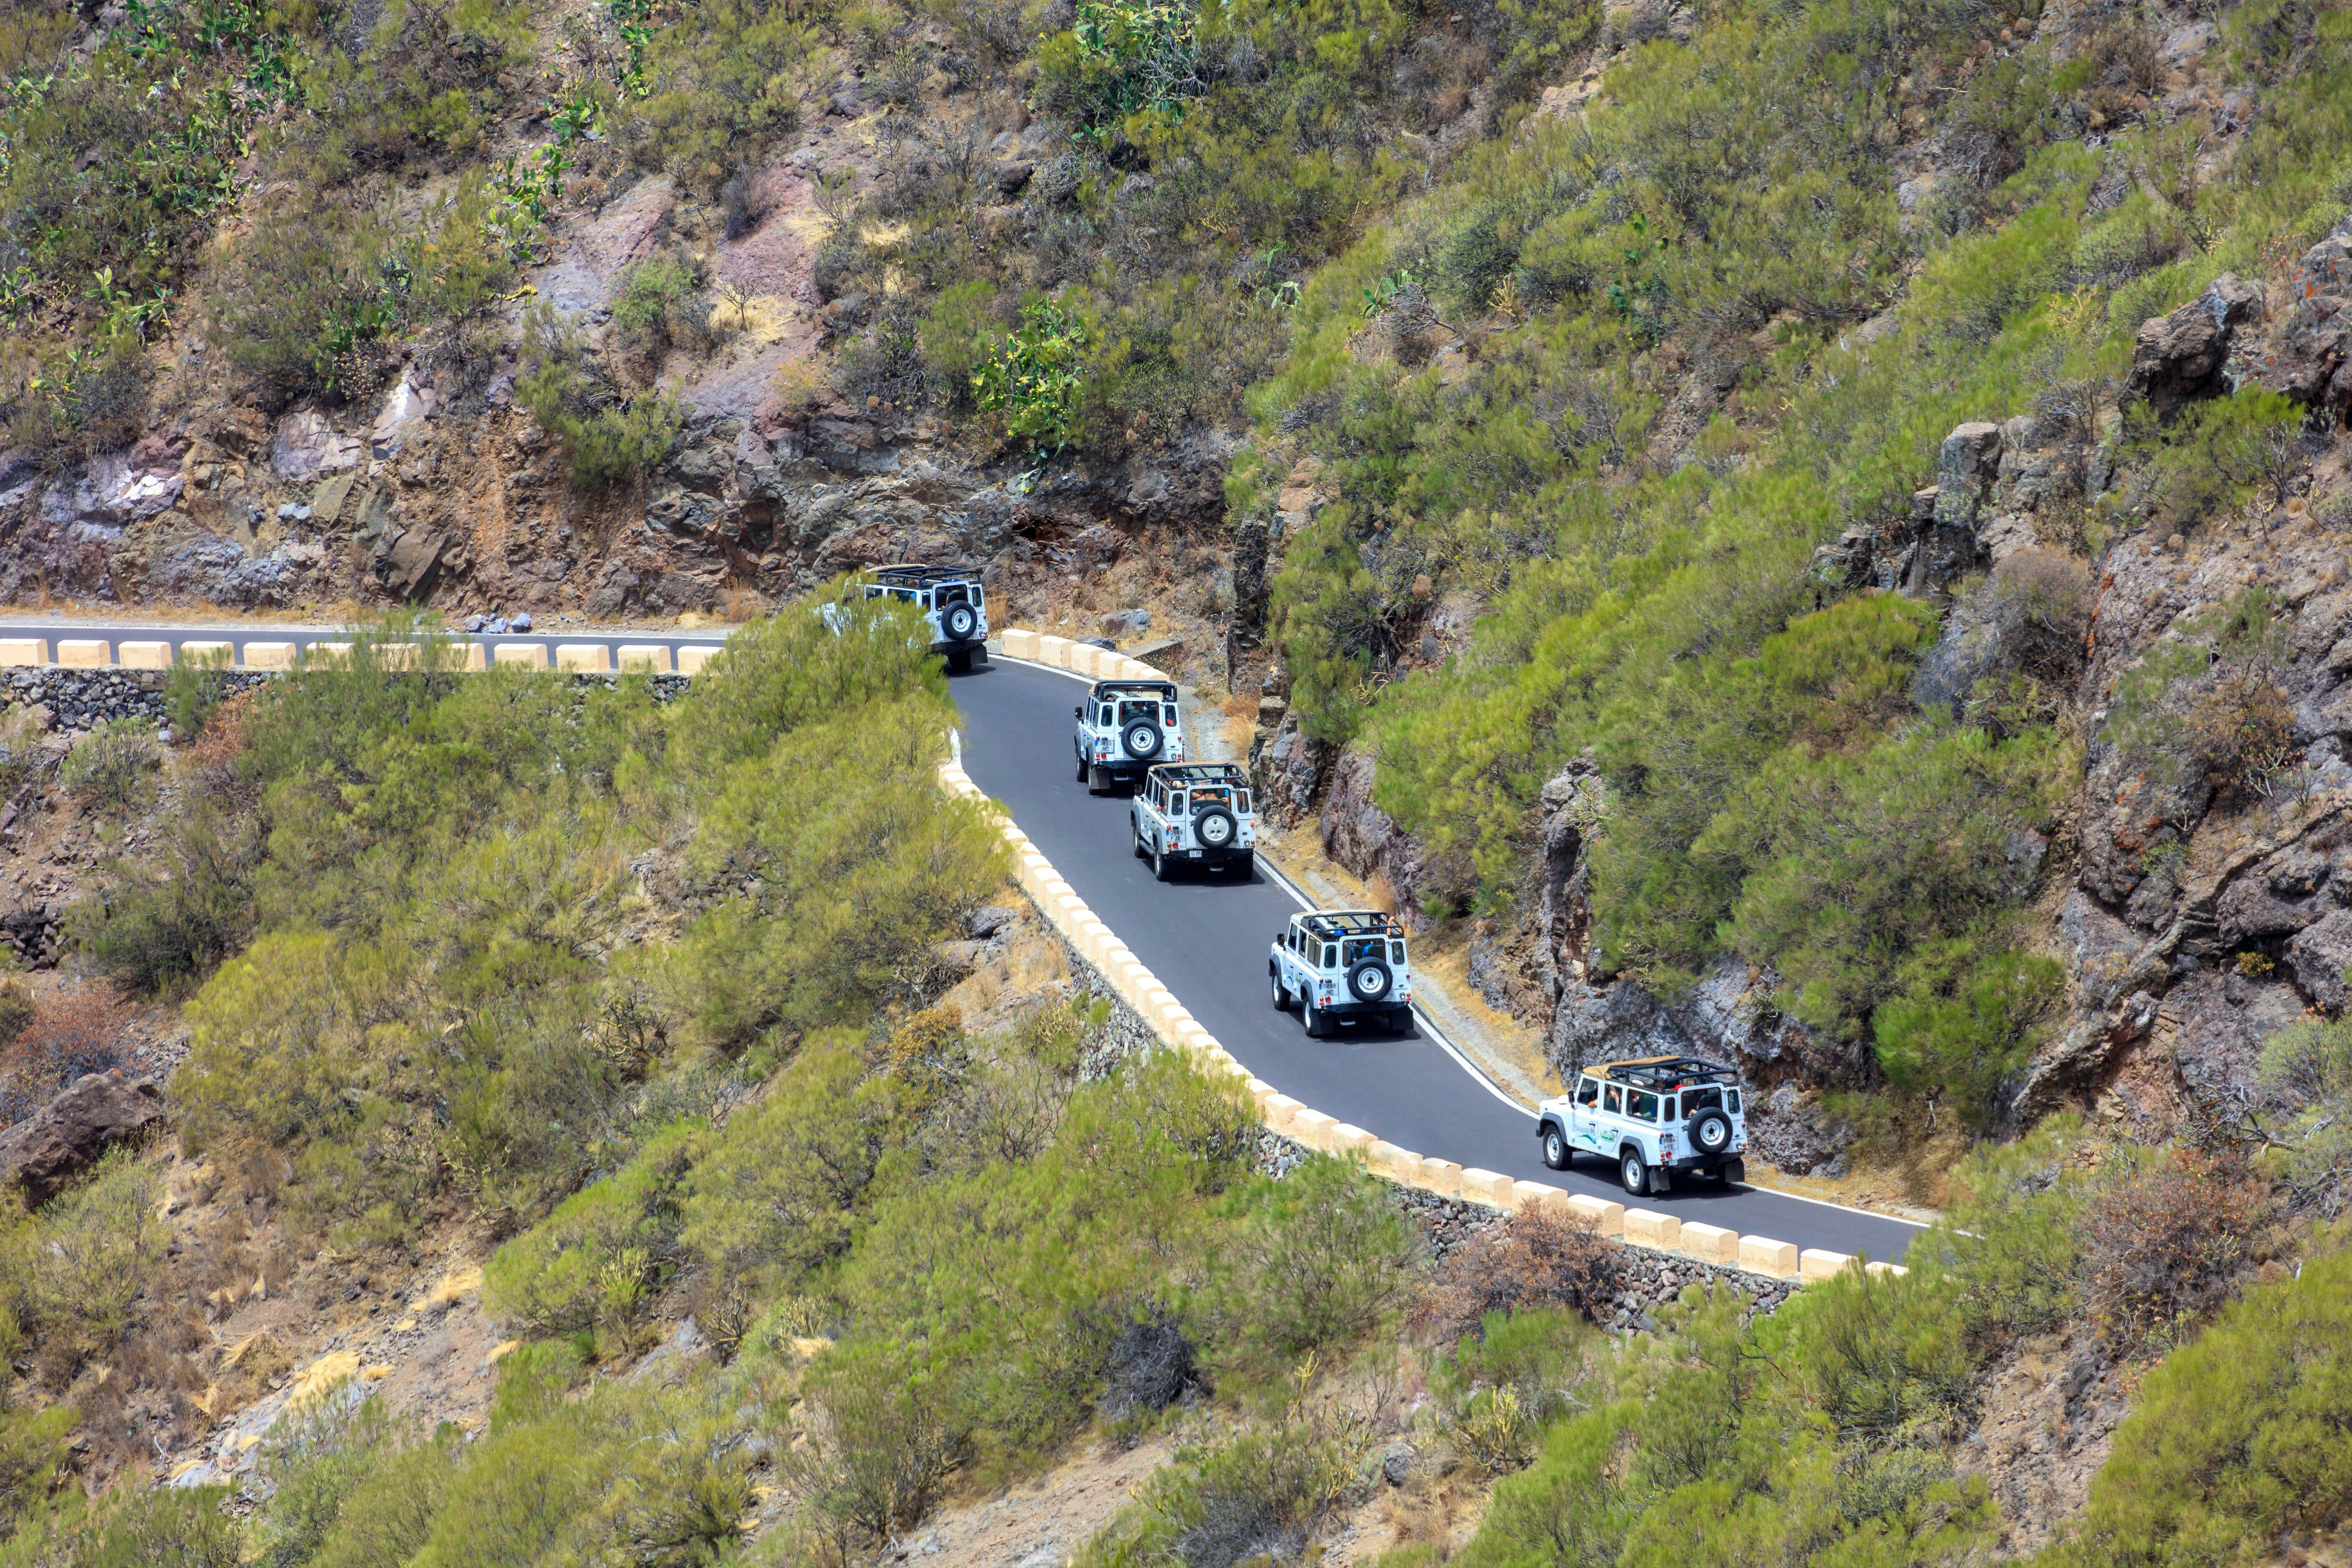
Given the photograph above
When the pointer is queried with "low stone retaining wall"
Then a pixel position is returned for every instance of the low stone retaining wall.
(84, 699)
(1708, 1245)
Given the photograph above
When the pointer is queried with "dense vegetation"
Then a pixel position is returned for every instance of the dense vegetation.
(1646, 580)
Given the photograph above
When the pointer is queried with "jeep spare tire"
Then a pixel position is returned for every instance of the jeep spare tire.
(1215, 829)
(1710, 1133)
(959, 622)
(1369, 981)
(1143, 739)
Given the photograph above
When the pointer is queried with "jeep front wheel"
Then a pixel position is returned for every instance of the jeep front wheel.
(1634, 1173)
(1554, 1149)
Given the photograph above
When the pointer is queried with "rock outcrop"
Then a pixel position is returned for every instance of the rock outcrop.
(100, 1110)
(2181, 357)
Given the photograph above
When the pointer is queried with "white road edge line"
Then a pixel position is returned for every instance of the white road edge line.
(1437, 1034)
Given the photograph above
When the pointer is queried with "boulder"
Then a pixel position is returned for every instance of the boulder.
(100, 1110)
(1790, 1131)
(2180, 357)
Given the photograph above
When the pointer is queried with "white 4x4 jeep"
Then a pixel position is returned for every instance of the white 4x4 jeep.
(1194, 811)
(1343, 966)
(1123, 728)
(1652, 1118)
(953, 603)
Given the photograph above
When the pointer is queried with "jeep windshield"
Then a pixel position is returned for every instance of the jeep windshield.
(1363, 948)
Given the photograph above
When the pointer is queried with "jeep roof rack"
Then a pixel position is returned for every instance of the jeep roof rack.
(1664, 1073)
(915, 572)
(1200, 772)
(1165, 690)
(1353, 923)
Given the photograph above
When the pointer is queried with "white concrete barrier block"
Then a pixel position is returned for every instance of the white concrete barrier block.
(399, 656)
(474, 658)
(519, 655)
(1347, 1138)
(84, 654)
(1648, 1228)
(1146, 672)
(1815, 1263)
(1762, 1255)
(1607, 1219)
(593, 658)
(1053, 651)
(1396, 1163)
(1532, 1194)
(328, 653)
(1490, 1187)
(1020, 643)
(1312, 1128)
(18, 652)
(1442, 1177)
(650, 656)
(1710, 1243)
(143, 655)
(217, 655)
(1279, 1112)
(693, 659)
(269, 655)
(1886, 1271)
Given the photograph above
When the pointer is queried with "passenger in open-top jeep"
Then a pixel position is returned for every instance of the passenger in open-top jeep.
(1195, 813)
(1651, 1117)
(1343, 966)
(1124, 727)
(953, 603)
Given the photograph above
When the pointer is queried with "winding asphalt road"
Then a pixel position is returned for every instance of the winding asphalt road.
(1205, 936)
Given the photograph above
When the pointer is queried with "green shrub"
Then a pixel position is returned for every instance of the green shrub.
(1315, 1261)
(159, 1527)
(1965, 1047)
(109, 766)
(600, 1258)
(886, 1427)
(2237, 1440)
(74, 1270)
(654, 305)
(1034, 378)
(1255, 1496)
(182, 914)
(781, 1190)
(609, 437)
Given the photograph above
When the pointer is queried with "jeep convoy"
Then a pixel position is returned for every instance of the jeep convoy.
(1194, 813)
(1342, 967)
(1126, 727)
(1651, 1117)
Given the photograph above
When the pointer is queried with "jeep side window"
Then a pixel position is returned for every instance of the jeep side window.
(1641, 1105)
(1105, 720)
(1671, 1112)
(1587, 1092)
(1176, 804)
(1170, 714)
(1330, 956)
(1396, 952)
(1732, 1101)
(1241, 802)
(1611, 1102)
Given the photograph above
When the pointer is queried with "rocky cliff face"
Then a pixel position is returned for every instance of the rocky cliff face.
(2196, 915)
